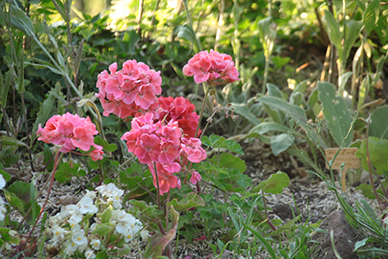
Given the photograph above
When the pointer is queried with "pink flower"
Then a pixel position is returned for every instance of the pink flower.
(193, 150)
(195, 177)
(96, 154)
(70, 132)
(130, 91)
(182, 111)
(211, 67)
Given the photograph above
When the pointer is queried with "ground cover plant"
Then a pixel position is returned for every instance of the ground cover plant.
(145, 117)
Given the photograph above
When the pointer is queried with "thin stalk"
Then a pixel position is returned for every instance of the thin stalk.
(140, 16)
(202, 110)
(157, 186)
(220, 23)
(370, 168)
(48, 195)
(265, 79)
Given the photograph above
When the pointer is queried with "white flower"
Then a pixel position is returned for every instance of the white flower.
(122, 228)
(78, 237)
(128, 237)
(3, 209)
(71, 247)
(95, 244)
(144, 234)
(76, 215)
(2, 182)
(90, 194)
(93, 226)
(58, 233)
(86, 206)
(89, 254)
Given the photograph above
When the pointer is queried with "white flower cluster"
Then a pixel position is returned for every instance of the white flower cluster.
(3, 209)
(70, 228)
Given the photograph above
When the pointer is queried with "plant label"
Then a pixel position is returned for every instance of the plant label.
(346, 156)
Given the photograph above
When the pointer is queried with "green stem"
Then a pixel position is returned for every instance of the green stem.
(202, 109)
(157, 186)
(56, 163)
(266, 69)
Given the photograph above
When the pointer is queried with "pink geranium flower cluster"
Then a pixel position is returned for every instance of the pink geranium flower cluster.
(129, 92)
(160, 143)
(70, 132)
(182, 111)
(211, 67)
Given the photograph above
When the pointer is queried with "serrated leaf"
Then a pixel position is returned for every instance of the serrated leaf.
(46, 109)
(379, 124)
(65, 172)
(188, 201)
(21, 196)
(274, 184)
(229, 161)
(280, 143)
(106, 146)
(336, 113)
(378, 154)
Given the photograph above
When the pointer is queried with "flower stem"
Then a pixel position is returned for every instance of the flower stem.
(202, 109)
(56, 163)
(157, 186)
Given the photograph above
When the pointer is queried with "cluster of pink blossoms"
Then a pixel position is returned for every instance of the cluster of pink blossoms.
(162, 144)
(182, 111)
(129, 92)
(70, 132)
(211, 67)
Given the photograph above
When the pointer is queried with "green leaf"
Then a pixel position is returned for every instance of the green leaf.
(229, 161)
(187, 33)
(267, 35)
(367, 191)
(102, 230)
(158, 242)
(274, 184)
(216, 141)
(65, 172)
(274, 91)
(189, 201)
(9, 141)
(106, 146)
(280, 61)
(46, 109)
(290, 110)
(353, 29)
(270, 126)
(370, 16)
(336, 113)
(361, 243)
(21, 21)
(280, 143)
(379, 124)
(378, 154)
(333, 31)
(262, 240)
(363, 92)
(21, 196)
(286, 227)
(242, 109)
